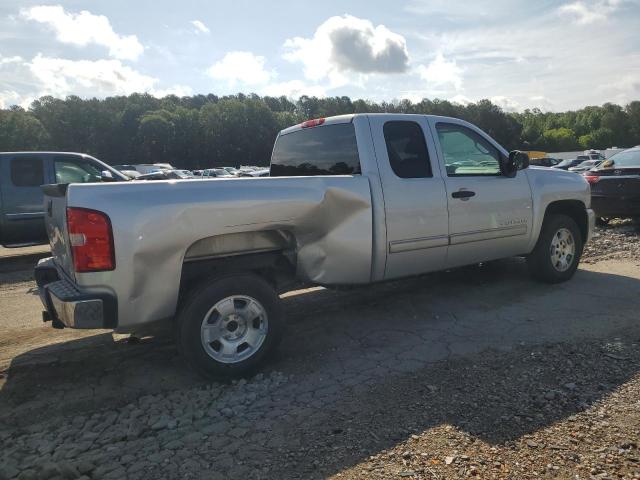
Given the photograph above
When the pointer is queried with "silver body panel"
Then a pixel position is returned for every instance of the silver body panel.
(338, 229)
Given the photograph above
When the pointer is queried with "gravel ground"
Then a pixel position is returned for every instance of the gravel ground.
(473, 373)
(620, 240)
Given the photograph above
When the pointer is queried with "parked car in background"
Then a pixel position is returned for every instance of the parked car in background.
(216, 173)
(232, 171)
(592, 155)
(586, 165)
(544, 162)
(615, 188)
(378, 197)
(144, 168)
(255, 173)
(567, 164)
(21, 198)
(128, 170)
(167, 175)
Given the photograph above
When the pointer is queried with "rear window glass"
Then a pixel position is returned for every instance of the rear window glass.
(327, 150)
(27, 172)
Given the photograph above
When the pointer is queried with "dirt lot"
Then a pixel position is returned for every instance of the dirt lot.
(477, 372)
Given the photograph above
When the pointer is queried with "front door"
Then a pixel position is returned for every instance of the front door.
(490, 215)
(414, 195)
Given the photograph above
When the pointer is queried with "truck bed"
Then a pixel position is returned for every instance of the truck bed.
(163, 224)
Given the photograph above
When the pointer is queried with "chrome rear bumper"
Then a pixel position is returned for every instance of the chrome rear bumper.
(66, 306)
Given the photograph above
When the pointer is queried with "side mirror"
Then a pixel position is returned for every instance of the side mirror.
(516, 160)
(107, 176)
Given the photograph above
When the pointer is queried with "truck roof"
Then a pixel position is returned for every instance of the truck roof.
(337, 119)
(40, 152)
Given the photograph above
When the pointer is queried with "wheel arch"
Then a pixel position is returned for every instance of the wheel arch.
(574, 209)
(270, 254)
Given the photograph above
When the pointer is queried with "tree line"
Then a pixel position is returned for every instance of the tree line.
(204, 131)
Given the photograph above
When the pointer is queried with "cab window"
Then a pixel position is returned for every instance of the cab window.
(69, 170)
(407, 149)
(467, 153)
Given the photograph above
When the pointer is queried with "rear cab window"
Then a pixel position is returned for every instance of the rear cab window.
(322, 150)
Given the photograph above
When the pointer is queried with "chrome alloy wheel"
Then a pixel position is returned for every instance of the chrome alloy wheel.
(234, 329)
(563, 250)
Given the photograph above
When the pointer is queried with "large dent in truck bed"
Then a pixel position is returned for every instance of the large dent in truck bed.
(332, 232)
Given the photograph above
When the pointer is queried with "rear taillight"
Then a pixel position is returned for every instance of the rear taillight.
(91, 240)
(592, 178)
(312, 123)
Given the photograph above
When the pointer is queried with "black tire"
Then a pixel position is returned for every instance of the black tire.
(540, 261)
(194, 310)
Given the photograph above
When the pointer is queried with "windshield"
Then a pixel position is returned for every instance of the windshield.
(628, 158)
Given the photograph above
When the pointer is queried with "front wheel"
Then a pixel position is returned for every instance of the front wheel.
(230, 325)
(557, 253)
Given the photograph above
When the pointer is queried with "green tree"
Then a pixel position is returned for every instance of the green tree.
(560, 139)
(20, 130)
(208, 130)
(156, 136)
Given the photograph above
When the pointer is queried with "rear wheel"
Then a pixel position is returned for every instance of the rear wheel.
(557, 253)
(230, 325)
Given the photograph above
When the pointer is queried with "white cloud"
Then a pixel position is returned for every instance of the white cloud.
(241, 68)
(294, 89)
(441, 73)
(507, 104)
(9, 98)
(9, 60)
(24, 81)
(85, 28)
(200, 27)
(461, 99)
(177, 90)
(60, 77)
(584, 13)
(348, 44)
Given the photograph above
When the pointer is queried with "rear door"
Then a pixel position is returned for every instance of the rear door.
(22, 198)
(490, 215)
(414, 195)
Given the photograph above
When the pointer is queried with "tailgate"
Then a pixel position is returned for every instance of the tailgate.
(55, 219)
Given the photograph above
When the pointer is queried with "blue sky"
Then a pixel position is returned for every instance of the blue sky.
(554, 55)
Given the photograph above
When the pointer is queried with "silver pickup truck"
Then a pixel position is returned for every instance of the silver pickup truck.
(351, 200)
